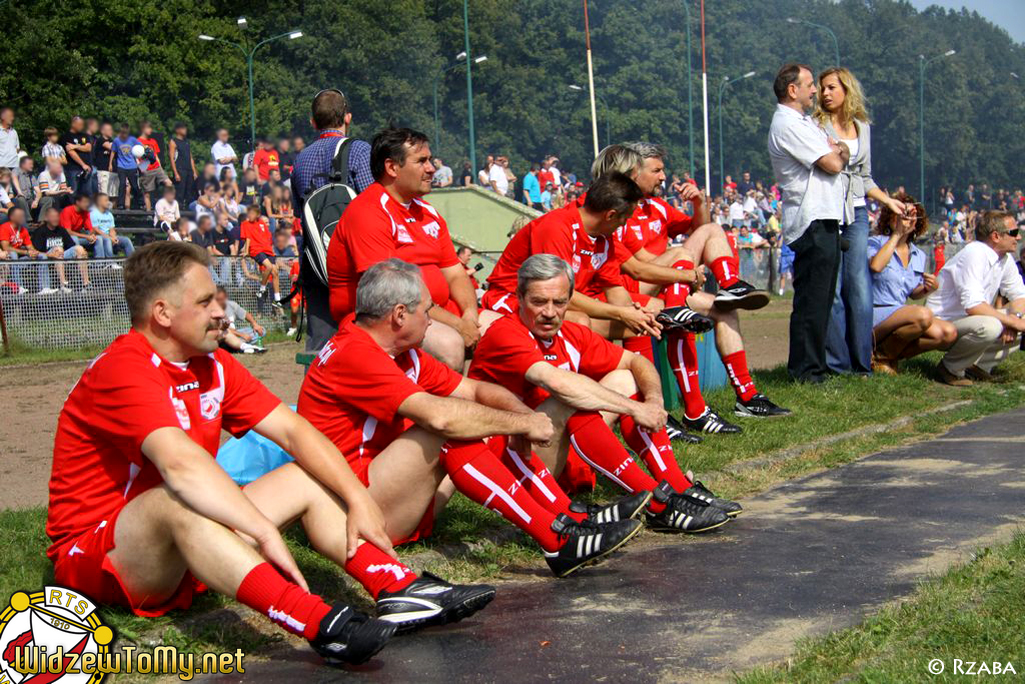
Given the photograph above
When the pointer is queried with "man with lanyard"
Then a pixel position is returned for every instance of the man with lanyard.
(584, 383)
(182, 164)
(330, 116)
(646, 237)
(390, 219)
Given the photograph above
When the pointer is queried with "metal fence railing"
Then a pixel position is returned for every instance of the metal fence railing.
(46, 304)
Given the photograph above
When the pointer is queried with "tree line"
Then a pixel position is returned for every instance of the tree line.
(126, 60)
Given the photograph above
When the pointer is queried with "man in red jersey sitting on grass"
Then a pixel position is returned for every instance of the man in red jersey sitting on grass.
(140, 513)
(404, 421)
(584, 383)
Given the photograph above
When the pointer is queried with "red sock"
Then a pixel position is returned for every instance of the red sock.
(676, 294)
(481, 477)
(657, 452)
(595, 443)
(534, 476)
(740, 378)
(640, 345)
(683, 361)
(286, 604)
(725, 271)
(377, 571)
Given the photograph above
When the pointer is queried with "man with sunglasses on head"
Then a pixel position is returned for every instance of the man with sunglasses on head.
(331, 118)
(968, 288)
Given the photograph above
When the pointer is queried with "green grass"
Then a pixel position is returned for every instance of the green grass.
(973, 612)
(841, 405)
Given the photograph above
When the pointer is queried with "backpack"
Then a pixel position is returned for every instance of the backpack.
(324, 208)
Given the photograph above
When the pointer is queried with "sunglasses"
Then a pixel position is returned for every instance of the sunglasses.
(1014, 232)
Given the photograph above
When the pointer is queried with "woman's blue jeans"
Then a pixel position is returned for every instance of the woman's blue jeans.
(849, 338)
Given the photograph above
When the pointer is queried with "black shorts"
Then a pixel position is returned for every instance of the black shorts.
(262, 257)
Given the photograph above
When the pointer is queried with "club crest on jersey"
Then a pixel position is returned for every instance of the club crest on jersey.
(402, 235)
(432, 229)
(44, 624)
(576, 263)
(655, 226)
(210, 404)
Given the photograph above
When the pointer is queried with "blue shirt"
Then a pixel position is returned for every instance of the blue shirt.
(125, 159)
(546, 199)
(895, 283)
(532, 187)
(102, 221)
(313, 165)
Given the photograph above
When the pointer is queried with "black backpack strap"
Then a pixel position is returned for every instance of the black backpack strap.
(340, 164)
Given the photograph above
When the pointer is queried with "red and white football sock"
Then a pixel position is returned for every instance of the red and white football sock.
(657, 452)
(285, 603)
(682, 353)
(481, 477)
(677, 293)
(725, 271)
(740, 377)
(534, 476)
(596, 444)
(377, 571)
(640, 345)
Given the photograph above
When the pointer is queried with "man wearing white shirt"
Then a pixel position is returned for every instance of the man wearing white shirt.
(968, 286)
(223, 153)
(806, 163)
(496, 176)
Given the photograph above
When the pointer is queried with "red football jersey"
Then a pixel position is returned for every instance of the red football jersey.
(264, 161)
(376, 227)
(353, 390)
(508, 350)
(655, 221)
(258, 234)
(17, 237)
(155, 146)
(126, 393)
(561, 233)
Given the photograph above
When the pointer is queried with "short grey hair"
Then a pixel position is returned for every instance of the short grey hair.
(616, 158)
(384, 286)
(648, 150)
(542, 267)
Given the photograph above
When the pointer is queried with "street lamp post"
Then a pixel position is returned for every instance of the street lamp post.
(922, 63)
(469, 84)
(248, 54)
(836, 43)
(437, 79)
(690, 95)
(726, 81)
(608, 112)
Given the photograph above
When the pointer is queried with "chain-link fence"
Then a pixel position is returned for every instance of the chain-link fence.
(72, 304)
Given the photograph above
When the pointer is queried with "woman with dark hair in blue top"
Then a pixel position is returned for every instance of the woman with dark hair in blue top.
(902, 330)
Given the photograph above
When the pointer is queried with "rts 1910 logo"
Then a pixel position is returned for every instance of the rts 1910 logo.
(52, 635)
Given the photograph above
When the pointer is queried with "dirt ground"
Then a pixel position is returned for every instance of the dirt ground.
(34, 395)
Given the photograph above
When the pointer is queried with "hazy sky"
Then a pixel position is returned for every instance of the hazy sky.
(1007, 14)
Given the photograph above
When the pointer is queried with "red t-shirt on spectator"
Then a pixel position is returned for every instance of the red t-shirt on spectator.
(375, 227)
(259, 237)
(75, 221)
(508, 350)
(153, 145)
(545, 176)
(353, 390)
(264, 161)
(17, 237)
(561, 233)
(124, 395)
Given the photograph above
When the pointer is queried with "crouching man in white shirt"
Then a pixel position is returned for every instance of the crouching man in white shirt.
(966, 296)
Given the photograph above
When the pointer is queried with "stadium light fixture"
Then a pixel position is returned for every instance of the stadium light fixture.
(461, 56)
(242, 23)
(1014, 75)
(836, 43)
(295, 34)
(482, 58)
(575, 87)
(203, 36)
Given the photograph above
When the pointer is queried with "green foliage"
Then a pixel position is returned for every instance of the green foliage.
(128, 59)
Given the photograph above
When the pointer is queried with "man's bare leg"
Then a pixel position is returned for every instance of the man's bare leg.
(446, 345)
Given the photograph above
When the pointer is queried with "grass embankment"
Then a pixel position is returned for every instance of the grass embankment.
(839, 406)
(972, 613)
